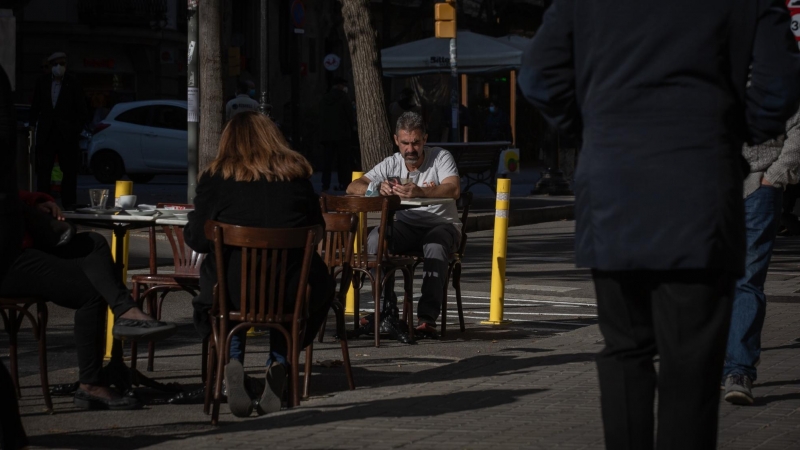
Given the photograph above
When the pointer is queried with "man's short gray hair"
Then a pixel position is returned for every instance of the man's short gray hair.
(410, 121)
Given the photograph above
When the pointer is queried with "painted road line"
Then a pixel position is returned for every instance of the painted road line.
(548, 322)
(527, 305)
(535, 287)
(539, 299)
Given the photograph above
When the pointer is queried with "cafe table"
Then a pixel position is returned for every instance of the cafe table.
(121, 223)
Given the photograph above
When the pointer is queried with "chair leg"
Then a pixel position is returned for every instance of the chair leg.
(12, 350)
(457, 287)
(41, 309)
(377, 287)
(307, 370)
(294, 399)
(338, 311)
(322, 331)
(204, 360)
(356, 304)
(155, 313)
(211, 362)
(444, 304)
(134, 344)
(220, 360)
(408, 299)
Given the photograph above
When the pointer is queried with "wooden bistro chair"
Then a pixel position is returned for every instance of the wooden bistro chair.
(265, 254)
(13, 311)
(336, 250)
(454, 267)
(152, 288)
(381, 263)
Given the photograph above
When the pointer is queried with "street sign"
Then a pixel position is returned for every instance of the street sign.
(794, 10)
(298, 12)
(331, 62)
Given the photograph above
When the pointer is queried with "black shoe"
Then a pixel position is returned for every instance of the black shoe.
(425, 329)
(64, 389)
(270, 401)
(239, 400)
(84, 400)
(142, 330)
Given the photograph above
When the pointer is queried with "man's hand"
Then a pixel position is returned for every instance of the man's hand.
(765, 182)
(50, 208)
(409, 190)
(386, 188)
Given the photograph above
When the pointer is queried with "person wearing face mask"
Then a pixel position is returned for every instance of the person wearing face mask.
(336, 111)
(435, 230)
(497, 127)
(242, 101)
(58, 113)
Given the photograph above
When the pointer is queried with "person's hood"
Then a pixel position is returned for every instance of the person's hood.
(334, 96)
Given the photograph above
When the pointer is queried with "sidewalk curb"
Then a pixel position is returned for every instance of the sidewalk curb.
(519, 217)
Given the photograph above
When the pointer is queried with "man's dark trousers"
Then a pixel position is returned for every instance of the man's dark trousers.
(69, 159)
(683, 317)
(337, 152)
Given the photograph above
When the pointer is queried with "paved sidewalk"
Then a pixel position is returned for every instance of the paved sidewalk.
(531, 384)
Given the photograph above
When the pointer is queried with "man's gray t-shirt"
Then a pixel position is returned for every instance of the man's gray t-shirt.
(438, 165)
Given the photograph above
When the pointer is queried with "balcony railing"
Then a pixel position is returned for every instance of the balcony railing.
(133, 13)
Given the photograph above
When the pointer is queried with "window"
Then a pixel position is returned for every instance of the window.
(136, 116)
(168, 116)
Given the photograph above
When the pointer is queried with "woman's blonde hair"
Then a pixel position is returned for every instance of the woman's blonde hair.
(252, 147)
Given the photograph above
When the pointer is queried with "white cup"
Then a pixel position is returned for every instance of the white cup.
(126, 201)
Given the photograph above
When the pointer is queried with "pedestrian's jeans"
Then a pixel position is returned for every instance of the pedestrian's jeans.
(762, 215)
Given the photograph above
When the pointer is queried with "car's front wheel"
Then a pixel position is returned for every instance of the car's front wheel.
(107, 167)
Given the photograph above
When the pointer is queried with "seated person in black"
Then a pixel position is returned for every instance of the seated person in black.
(256, 181)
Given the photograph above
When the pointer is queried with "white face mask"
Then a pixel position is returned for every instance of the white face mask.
(58, 70)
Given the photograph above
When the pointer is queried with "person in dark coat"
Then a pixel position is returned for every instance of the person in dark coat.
(659, 92)
(335, 132)
(256, 181)
(59, 112)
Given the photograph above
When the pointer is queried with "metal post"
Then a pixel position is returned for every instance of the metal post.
(122, 188)
(193, 100)
(453, 92)
(350, 300)
(499, 253)
(264, 107)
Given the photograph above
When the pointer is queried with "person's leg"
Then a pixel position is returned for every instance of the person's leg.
(238, 345)
(401, 238)
(45, 157)
(762, 214)
(90, 253)
(12, 434)
(328, 154)
(69, 159)
(691, 315)
(437, 246)
(323, 288)
(344, 172)
(625, 365)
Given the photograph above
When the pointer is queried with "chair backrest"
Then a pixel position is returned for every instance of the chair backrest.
(386, 205)
(186, 260)
(336, 248)
(265, 257)
(464, 203)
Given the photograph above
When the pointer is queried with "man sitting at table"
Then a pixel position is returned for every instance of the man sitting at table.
(434, 230)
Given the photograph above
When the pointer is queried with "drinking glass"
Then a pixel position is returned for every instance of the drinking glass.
(98, 198)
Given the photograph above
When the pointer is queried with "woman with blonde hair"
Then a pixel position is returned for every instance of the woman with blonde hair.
(256, 180)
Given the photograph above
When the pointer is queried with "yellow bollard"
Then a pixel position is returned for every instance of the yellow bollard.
(122, 188)
(350, 306)
(252, 332)
(499, 253)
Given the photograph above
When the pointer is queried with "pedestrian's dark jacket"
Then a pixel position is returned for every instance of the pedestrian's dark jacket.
(68, 117)
(280, 204)
(336, 116)
(659, 92)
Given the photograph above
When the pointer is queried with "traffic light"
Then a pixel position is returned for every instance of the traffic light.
(445, 15)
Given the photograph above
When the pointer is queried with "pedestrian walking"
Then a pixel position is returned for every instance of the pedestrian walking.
(773, 165)
(659, 93)
(59, 113)
(336, 125)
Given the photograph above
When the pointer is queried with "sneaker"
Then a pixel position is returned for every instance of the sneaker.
(270, 400)
(239, 400)
(738, 389)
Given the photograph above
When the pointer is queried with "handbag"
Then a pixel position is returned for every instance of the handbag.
(46, 230)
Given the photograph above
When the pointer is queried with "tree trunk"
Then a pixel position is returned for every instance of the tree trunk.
(211, 107)
(373, 130)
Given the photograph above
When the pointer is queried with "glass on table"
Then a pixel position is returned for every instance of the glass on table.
(98, 198)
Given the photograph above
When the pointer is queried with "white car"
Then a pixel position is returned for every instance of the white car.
(140, 139)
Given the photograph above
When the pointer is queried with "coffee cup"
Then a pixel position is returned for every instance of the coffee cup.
(126, 201)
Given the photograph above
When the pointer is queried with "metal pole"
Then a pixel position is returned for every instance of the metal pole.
(193, 100)
(499, 253)
(453, 92)
(263, 70)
